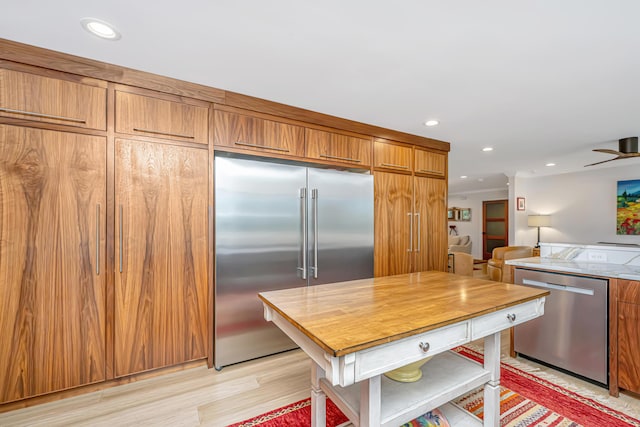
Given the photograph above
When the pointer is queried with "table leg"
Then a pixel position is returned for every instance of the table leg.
(318, 398)
(370, 401)
(492, 388)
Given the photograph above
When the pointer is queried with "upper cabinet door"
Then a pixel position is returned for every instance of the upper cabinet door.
(161, 118)
(431, 163)
(45, 99)
(336, 147)
(257, 134)
(390, 156)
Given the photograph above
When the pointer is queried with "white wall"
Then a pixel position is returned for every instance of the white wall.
(582, 206)
(473, 228)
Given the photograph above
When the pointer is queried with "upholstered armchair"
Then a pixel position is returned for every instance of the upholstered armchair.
(462, 263)
(496, 268)
(460, 244)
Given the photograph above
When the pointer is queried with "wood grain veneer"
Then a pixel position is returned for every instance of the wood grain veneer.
(337, 147)
(45, 99)
(52, 261)
(629, 346)
(256, 134)
(350, 316)
(159, 118)
(430, 196)
(161, 294)
(393, 204)
(390, 156)
(629, 291)
(430, 163)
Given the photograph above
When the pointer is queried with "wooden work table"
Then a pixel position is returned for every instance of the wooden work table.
(355, 331)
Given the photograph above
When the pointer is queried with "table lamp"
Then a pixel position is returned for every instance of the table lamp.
(539, 221)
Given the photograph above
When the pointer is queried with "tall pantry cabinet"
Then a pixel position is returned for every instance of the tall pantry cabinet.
(410, 222)
(52, 235)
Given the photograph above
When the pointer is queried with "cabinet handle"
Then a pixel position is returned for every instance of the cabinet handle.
(98, 240)
(391, 165)
(431, 171)
(163, 133)
(346, 159)
(417, 214)
(424, 346)
(511, 317)
(47, 116)
(120, 239)
(410, 232)
(268, 147)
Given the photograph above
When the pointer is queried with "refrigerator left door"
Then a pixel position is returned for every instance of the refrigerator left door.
(259, 238)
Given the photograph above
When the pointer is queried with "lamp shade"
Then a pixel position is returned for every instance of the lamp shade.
(539, 221)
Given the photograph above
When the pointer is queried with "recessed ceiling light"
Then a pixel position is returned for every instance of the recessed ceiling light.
(487, 149)
(100, 28)
(550, 164)
(431, 123)
(463, 176)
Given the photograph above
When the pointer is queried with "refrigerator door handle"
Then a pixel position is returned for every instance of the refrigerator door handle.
(410, 215)
(417, 215)
(314, 196)
(303, 220)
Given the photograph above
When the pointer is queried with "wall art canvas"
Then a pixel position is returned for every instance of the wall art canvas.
(628, 204)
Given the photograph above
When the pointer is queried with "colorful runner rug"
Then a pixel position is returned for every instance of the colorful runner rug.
(526, 400)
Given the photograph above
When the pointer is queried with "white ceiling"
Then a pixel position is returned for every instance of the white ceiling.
(539, 80)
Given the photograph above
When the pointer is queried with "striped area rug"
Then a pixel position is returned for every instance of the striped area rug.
(526, 400)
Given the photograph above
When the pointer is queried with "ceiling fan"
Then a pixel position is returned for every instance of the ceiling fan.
(627, 148)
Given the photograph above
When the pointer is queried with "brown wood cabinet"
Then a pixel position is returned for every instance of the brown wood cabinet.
(430, 163)
(430, 214)
(393, 157)
(46, 99)
(393, 219)
(332, 146)
(161, 290)
(177, 120)
(52, 261)
(242, 131)
(409, 224)
(628, 339)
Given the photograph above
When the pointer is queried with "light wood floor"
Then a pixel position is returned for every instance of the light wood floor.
(203, 397)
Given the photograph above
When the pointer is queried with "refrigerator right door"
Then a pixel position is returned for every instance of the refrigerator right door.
(340, 226)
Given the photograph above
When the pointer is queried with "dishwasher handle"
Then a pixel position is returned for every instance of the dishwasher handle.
(557, 287)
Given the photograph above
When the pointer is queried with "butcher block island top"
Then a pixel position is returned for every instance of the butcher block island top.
(347, 317)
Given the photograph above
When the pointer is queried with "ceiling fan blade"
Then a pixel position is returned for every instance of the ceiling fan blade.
(604, 161)
(604, 150)
(629, 155)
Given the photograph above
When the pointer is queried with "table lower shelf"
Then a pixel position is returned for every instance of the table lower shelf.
(445, 377)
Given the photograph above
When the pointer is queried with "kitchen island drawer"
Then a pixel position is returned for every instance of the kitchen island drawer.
(505, 318)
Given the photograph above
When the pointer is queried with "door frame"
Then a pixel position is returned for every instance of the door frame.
(505, 219)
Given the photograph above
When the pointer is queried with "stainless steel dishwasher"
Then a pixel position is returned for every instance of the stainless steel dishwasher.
(573, 333)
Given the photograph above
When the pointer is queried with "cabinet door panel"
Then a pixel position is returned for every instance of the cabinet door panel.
(159, 118)
(44, 99)
(629, 346)
(392, 223)
(337, 147)
(161, 286)
(431, 163)
(393, 156)
(431, 224)
(52, 261)
(257, 134)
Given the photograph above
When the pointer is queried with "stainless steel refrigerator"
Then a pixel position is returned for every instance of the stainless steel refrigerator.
(278, 226)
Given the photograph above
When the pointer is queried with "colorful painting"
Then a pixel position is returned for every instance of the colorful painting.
(628, 218)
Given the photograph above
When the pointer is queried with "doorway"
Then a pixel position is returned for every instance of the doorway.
(495, 226)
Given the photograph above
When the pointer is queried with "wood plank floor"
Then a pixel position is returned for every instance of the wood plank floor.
(205, 397)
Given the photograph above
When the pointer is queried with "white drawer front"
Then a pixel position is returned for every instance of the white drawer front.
(506, 318)
(393, 355)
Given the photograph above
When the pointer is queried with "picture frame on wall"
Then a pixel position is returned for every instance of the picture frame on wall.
(465, 214)
(520, 203)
